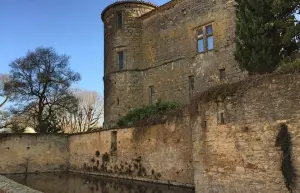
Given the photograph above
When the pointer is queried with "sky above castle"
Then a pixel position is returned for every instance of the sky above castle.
(73, 27)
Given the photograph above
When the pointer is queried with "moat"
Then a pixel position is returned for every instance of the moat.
(77, 183)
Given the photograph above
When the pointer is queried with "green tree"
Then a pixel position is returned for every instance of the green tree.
(266, 32)
(39, 85)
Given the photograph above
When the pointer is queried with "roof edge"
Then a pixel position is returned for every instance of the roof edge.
(126, 2)
(162, 8)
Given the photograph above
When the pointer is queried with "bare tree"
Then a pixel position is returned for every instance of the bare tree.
(39, 85)
(87, 116)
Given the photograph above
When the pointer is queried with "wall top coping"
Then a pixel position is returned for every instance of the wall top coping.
(126, 2)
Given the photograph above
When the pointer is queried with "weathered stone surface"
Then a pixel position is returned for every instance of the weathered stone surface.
(250, 155)
(217, 158)
(160, 46)
(161, 153)
(240, 170)
(20, 153)
(9, 186)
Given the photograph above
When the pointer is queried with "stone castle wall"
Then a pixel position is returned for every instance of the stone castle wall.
(120, 86)
(21, 153)
(240, 155)
(159, 153)
(236, 153)
(163, 54)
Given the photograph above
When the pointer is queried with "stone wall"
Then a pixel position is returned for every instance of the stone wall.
(226, 145)
(120, 86)
(163, 53)
(239, 155)
(9, 186)
(20, 153)
(172, 53)
(160, 153)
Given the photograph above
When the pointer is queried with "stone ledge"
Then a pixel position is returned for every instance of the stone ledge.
(41, 172)
(9, 186)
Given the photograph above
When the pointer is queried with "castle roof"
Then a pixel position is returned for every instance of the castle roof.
(127, 2)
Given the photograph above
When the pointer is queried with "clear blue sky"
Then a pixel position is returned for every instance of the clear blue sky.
(73, 27)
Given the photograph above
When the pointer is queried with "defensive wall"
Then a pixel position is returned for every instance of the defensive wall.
(227, 143)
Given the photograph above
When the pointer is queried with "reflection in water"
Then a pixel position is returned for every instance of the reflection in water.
(77, 183)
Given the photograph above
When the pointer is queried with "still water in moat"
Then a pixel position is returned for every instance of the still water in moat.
(77, 183)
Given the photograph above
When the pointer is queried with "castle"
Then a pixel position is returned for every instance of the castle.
(168, 52)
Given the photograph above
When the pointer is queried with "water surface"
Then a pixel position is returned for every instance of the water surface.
(77, 183)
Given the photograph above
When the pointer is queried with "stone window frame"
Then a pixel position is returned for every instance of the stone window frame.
(119, 66)
(204, 36)
(119, 20)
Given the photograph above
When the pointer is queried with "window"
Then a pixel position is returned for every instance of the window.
(204, 124)
(205, 39)
(222, 75)
(210, 37)
(114, 141)
(221, 119)
(191, 86)
(200, 38)
(151, 94)
(121, 60)
(119, 20)
(118, 101)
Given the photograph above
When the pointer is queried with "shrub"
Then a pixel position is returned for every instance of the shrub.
(145, 112)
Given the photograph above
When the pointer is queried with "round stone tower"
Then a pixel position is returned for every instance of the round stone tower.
(122, 56)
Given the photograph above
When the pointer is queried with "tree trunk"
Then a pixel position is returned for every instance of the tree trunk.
(41, 125)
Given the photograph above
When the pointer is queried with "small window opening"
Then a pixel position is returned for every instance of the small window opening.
(114, 141)
(204, 124)
(121, 60)
(118, 101)
(151, 95)
(119, 20)
(221, 119)
(191, 85)
(222, 74)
